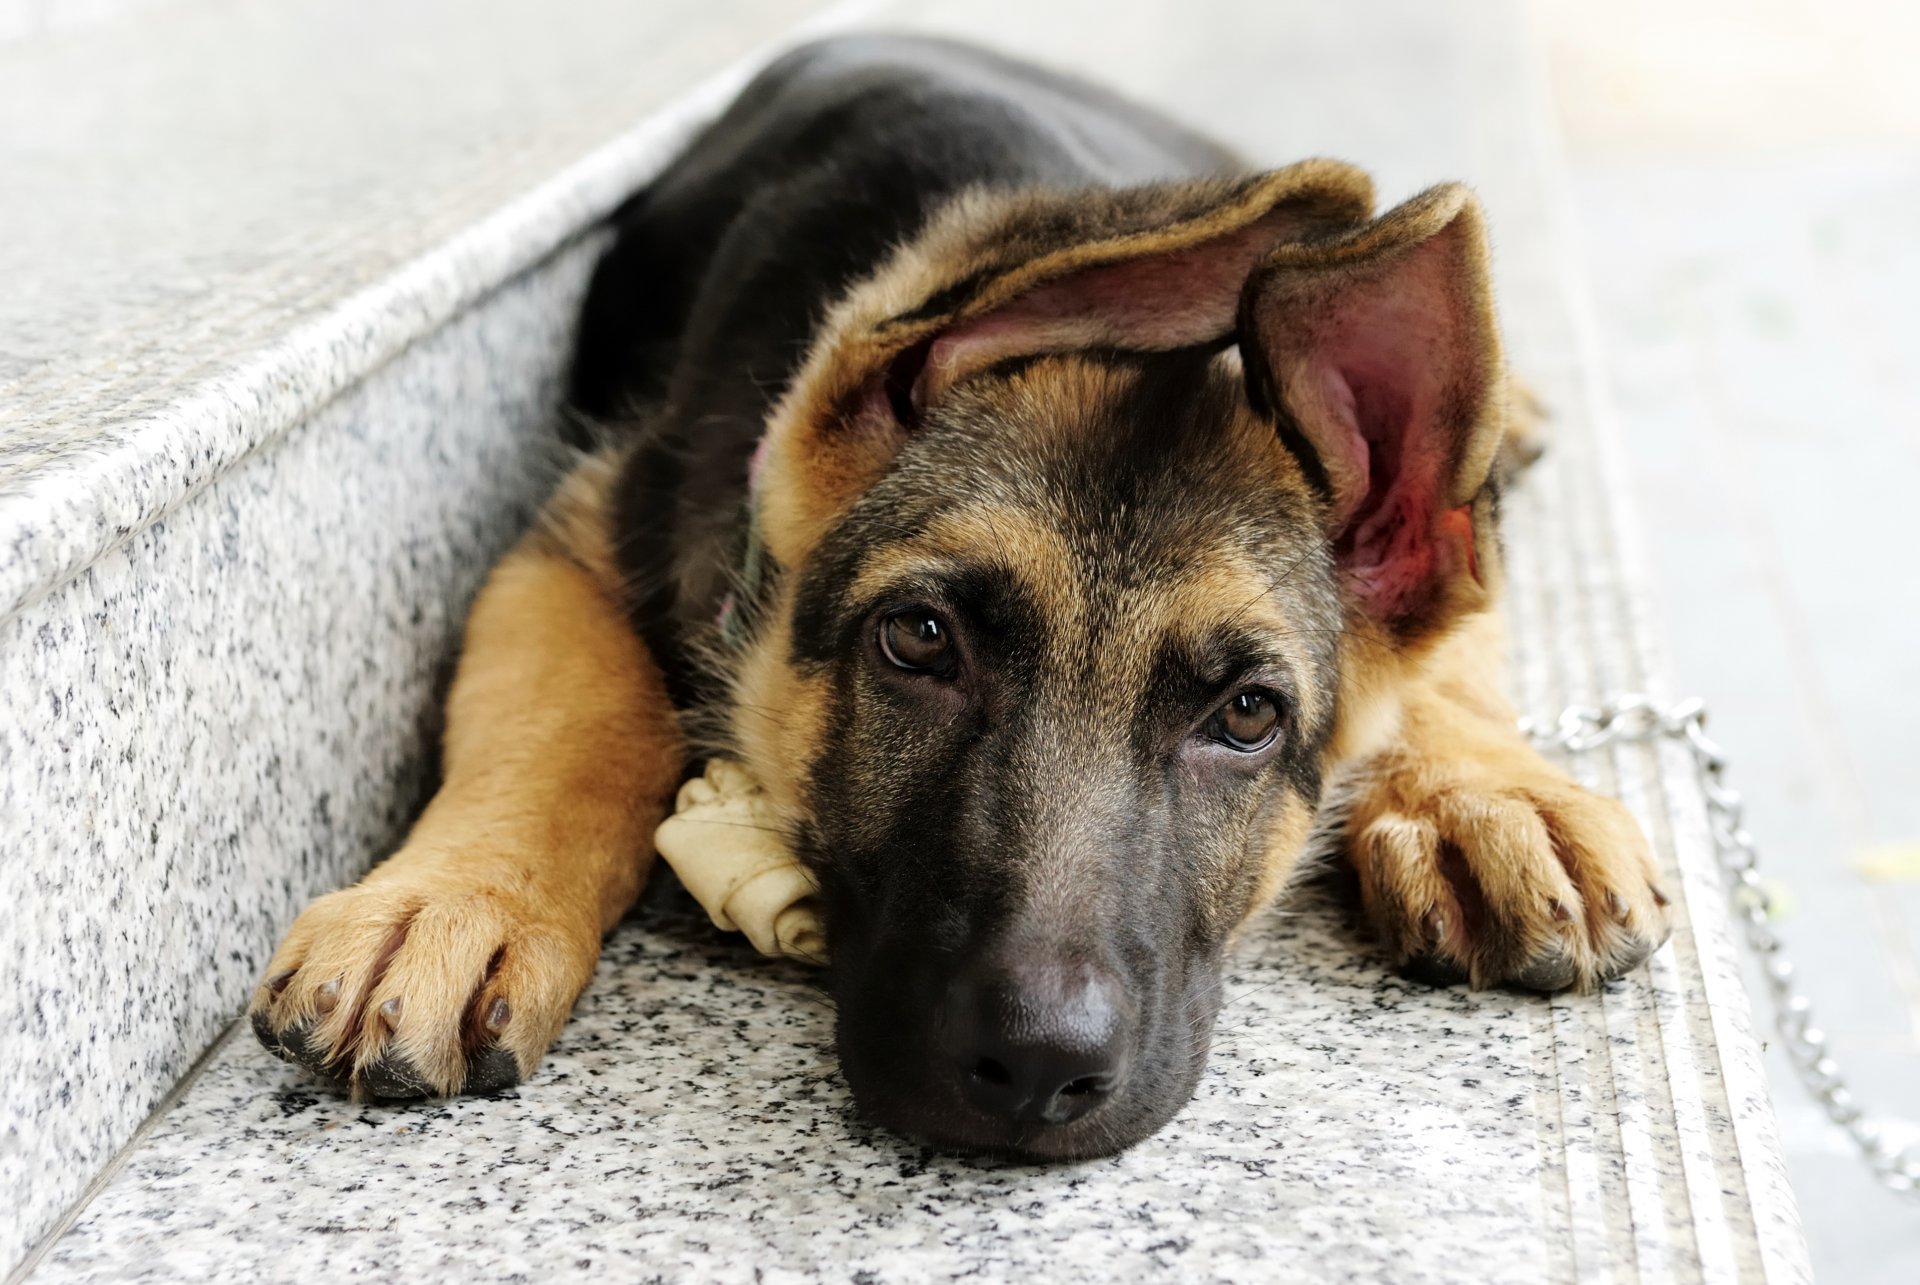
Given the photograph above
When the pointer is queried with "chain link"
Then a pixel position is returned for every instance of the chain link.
(1636, 717)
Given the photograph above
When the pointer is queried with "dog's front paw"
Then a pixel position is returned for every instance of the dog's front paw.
(1504, 873)
(421, 983)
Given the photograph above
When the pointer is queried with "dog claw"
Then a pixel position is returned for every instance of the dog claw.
(497, 1015)
(390, 1013)
(278, 982)
(327, 998)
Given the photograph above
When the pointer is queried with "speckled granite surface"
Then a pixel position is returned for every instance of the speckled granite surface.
(231, 714)
(689, 1124)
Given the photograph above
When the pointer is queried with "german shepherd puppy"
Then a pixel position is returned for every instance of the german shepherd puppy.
(1047, 509)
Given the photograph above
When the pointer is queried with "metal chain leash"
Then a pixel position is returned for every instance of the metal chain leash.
(1635, 717)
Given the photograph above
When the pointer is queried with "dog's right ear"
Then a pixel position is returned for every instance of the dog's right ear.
(1002, 275)
(1378, 357)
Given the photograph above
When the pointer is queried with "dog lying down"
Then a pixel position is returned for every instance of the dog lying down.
(1040, 507)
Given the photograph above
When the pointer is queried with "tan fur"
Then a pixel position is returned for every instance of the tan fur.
(1526, 437)
(561, 750)
(1006, 533)
(1475, 852)
(1216, 587)
(779, 717)
(1286, 843)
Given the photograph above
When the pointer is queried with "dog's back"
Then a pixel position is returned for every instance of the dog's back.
(834, 154)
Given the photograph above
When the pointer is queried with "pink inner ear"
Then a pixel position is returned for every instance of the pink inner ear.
(1159, 301)
(1382, 373)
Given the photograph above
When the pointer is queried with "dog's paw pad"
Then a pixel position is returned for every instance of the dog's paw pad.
(1554, 969)
(298, 1044)
(392, 1078)
(1431, 969)
(263, 1031)
(491, 1070)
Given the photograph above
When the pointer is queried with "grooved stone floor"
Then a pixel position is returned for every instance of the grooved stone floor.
(1747, 185)
(1761, 355)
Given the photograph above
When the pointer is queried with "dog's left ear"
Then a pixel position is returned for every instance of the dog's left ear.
(1378, 357)
(1001, 275)
(1146, 270)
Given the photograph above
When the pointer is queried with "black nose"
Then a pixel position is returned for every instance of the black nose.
(1041, 1044)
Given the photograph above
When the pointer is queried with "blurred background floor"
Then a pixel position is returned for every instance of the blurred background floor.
(1747, 177)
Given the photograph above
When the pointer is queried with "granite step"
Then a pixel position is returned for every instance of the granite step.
(222, 672)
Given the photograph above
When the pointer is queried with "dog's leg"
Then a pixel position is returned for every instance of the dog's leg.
(1481, 861)
(455, 962)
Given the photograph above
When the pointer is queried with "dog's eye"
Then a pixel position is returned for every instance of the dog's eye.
(919, 641)
(1248, 722)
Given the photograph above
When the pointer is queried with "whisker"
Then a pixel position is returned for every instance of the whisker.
(737, 825)
(1255, 991)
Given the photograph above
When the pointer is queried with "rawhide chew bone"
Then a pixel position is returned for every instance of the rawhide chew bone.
(724, 841)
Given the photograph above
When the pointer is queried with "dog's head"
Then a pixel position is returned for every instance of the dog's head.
(1100, 524)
